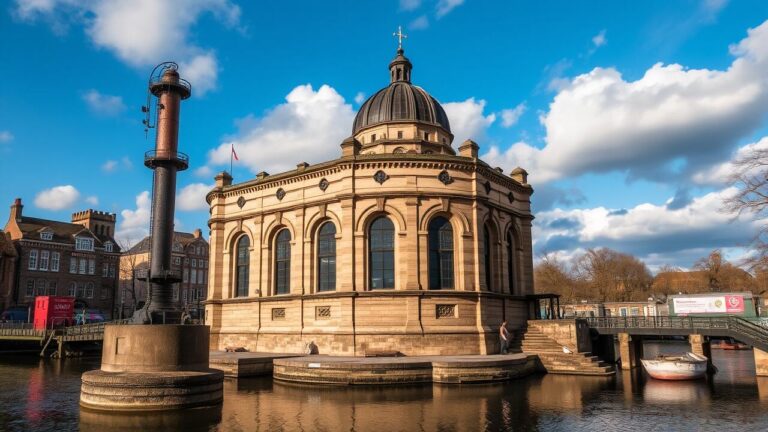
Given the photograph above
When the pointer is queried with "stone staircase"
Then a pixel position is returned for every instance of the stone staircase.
(554, 360)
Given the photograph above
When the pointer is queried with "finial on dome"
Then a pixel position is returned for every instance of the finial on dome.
(400, 67)
(400, 36)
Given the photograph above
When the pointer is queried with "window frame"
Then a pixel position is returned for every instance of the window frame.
(326, 270)
(383, 252)
(441, 266)
(32, 259)
(242, 266)
(55, 261)
(282, 262)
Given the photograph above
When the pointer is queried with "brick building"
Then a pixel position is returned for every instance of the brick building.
(189, 259)
(78, 258)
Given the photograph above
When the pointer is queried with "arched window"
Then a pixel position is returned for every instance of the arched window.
(487, 256)
(243, 265)
(511, 261)
(326, 257)
(440, 254)
(283, 262)
(381, 246)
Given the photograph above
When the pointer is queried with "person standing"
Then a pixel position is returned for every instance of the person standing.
(504, 337)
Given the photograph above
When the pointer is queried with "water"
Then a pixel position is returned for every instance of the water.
(43, 396)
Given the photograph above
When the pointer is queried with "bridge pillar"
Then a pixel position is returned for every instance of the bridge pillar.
(700, 345)
(630, 350)
(761, 362)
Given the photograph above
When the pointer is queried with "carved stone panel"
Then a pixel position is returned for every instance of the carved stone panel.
(278, 314)
(322, 312)
(445, 311)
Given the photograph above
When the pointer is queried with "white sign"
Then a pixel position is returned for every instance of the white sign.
(709, 304)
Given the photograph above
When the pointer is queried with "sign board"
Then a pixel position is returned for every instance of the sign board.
(708, 304)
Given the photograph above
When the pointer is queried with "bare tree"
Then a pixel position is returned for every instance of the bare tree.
(129, 265)
(612, 275)
(551, 276)
(750, 178)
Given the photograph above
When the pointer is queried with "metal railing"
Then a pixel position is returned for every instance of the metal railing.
(90, 329)
(752, 332)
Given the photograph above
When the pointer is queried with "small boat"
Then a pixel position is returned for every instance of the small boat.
(728, 345)
(676, 367)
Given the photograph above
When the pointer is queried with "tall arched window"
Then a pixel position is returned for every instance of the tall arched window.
(511, 262)
(243, 265)
(283, 262)
(381, 244)
(440, 254)
(487, 256)
(326, 257)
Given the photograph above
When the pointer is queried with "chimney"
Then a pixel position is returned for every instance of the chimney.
(197, 233)
(16, 210)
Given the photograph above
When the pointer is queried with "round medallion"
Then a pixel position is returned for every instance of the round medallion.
(380, 177)
(323, 185)
(241, 202)
(280, 194)
(445, 177)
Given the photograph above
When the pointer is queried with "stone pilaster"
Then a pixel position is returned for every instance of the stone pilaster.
(346, 269)
(409, 248)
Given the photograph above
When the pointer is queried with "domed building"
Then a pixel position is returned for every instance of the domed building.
(400, 244)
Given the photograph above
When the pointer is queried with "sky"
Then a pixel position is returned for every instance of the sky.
(626, 114)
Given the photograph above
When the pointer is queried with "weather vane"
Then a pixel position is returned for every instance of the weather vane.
(400, 36)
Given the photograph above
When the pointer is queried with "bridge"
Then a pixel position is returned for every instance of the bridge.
(630, 331)
(62, 335)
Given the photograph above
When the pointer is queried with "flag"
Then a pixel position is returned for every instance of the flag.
(234, 153)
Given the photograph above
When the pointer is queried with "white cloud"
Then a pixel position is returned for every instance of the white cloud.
(359, 98)
(647, 228)
(467, 119)
(141, 32)
(192, 197)
(509, 117)
(5, 136)
(134, 224)
(599, 39)
(446, 6)
(419, 23)
(103, 104)
(92, 200)
(204, 172)
(109, 166)
(721, 173)
(600, 122)
(308, 127)
(409, 4)
(57, 198)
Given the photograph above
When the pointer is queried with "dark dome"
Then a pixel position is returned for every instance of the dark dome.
(401, 101)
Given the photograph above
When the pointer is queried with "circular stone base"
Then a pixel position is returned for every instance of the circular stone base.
(150, 391)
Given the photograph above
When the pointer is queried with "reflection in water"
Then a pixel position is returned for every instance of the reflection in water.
(43, 396)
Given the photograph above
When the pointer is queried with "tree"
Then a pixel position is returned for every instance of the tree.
(712, 266)
(613, 276)
(129, 265)
(550, 275)
(750, 179)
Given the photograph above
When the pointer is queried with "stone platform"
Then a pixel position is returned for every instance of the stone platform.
(403, 370)
(245, 364)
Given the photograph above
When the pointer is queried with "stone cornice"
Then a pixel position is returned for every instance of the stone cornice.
(320, 170)
(365, 294)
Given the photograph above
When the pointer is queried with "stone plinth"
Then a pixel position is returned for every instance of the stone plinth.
(245, 364)
(630, 350)
(761, 362)
(153, 367)
(403, 370)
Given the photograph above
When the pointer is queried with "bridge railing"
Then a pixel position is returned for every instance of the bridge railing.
(661, 322)
(90, 329)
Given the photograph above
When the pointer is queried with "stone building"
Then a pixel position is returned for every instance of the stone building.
(189, 259)
(8, 258)
(400, 244)
(79, 258)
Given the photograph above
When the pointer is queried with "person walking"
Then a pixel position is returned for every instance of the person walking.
(504, 337)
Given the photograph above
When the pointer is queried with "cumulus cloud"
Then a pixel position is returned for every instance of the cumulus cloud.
(721, 173)
(308, 127)
(141, 32)
(92, 200)
(444, 7)
(134, 223)
(204, 172)
(103, 104)
(646, 229)
(57, 197)
(467, 119)
(112, 165)
(672, 115)
(509, 117)
(5, 136)
(192, 197)
(359, 98)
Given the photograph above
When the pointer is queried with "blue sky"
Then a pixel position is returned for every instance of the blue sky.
(624, 113)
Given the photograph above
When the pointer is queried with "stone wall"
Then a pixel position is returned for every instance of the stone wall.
(572, 333)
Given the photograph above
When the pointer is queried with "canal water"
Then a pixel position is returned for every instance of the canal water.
(43, 396)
